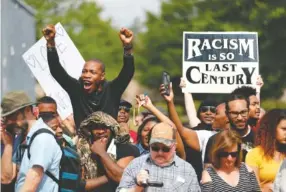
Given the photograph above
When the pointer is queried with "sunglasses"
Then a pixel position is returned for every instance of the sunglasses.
(163, 149)
(226, 154)
(124, 108)
(208, 108)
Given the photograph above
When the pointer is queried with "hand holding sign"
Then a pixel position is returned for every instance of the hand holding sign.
(183, 83)
(70, 59)
(49, 33)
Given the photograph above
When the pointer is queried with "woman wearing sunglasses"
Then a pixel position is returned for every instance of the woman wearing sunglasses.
(266, 158)
(227, 172)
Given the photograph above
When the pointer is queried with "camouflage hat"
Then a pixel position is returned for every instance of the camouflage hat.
(14, 101)
(99, 118)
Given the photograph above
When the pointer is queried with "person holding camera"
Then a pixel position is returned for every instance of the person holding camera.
(92, 92)
(161, 169)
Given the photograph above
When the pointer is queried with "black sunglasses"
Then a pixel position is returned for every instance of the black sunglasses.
(157, 149)
(208, 108)
(124, 108)
(226, 154)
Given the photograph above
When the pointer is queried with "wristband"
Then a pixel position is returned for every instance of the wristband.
(51, 49)
(128, 47)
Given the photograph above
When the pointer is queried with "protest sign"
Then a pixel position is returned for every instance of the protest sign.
(219, 62)
(70, 59)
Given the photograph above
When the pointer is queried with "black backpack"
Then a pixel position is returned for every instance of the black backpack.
(70, 171)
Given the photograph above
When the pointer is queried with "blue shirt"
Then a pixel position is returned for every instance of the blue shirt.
(45, 152)
(142, 151)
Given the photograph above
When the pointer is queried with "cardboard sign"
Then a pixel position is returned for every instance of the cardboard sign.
(70, 59)
(219, 62)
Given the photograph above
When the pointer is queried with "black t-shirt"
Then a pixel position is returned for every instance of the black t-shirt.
(83, 104)
(122, 150)
(247, 144)
(195, 157)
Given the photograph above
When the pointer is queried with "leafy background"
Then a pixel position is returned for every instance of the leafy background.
(158, 42)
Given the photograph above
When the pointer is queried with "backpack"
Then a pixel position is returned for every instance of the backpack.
(70, 169)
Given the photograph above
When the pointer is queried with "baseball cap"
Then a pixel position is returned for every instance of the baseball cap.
(162, 133)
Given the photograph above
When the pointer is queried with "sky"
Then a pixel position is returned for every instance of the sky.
(123, 12)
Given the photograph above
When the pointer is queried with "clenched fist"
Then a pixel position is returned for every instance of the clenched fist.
(49, 33)
(126, 36)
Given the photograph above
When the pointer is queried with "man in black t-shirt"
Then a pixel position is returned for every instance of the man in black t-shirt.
(92, 92)
(237, 111)
(104, 151)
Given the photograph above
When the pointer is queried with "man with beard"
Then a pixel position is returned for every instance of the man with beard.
(105, 151)
(123, 118)
(17, 111)
(237, 111)
(254, 104)
(92, 92)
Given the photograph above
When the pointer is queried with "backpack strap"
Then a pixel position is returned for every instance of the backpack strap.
(40, 131)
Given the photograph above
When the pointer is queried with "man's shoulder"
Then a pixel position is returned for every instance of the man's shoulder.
(139, 161)
(184, 164)
(179, 162)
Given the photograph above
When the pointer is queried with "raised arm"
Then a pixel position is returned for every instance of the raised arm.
(122, 80)
(67, 82)
(190, 106)
(189, 136)
(259, 85)
(147, 103)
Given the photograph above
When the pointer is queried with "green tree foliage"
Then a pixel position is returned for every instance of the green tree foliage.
(93, 36)
(161, 45)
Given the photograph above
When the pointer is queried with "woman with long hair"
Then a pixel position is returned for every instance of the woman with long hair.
(228, 172)
(143, 132)
(266, 158)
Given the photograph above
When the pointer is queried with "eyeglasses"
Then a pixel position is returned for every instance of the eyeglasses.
(226, 154)
(208, 108)
(235, 114)
(163, 149)
(124, 108)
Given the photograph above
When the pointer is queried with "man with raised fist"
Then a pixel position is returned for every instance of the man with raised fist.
(91, 92)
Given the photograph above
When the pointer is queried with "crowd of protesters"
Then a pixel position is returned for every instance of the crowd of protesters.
(231, 145)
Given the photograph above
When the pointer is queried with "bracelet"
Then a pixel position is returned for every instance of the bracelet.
(51, 49)
(128, 47)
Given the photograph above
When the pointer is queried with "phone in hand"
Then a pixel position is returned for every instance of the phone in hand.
(166, 81)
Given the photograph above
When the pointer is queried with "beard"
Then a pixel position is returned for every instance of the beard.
(281, 147)
(235, 128)
(14, 129)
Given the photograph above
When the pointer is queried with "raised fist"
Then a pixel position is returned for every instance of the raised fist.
(49, 33)
(126, 36)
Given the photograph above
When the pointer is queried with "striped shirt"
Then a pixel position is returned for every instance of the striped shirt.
(178, 176)
(247, 182)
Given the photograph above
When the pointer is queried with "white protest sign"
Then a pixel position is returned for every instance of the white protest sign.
(219, 62)
(70, 59)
